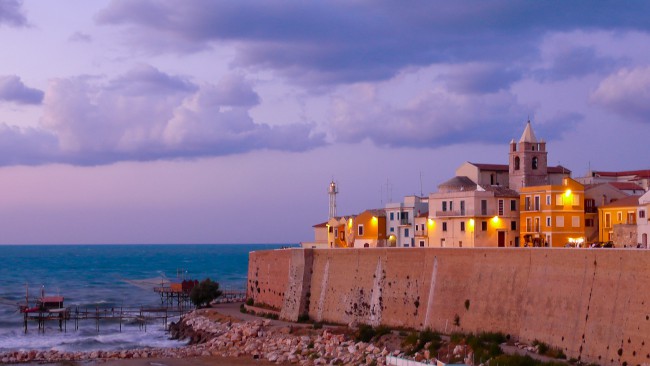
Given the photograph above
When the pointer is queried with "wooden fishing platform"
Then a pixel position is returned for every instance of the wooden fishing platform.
(122, 315)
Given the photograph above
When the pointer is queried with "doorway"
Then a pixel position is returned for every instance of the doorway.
(501, 238)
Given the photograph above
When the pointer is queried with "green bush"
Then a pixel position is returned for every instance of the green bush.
(203, 293)
(250, 301)
(365, 333)
(242, 309)
(541, 346)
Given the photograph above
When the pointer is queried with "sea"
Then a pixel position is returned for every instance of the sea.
(105, 276)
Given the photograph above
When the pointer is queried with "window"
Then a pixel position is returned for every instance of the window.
(619, 216)
(360, 230)
(341, 235)
(536, 203)
(642, 214)
(500, 207)
(513, 205)
(527, 206)
(451, 205)
(548, 200)
(462, 226)
(630, 217)
(484, 207)
(558, 200)
(559, 221)
(516, 163)
(575, 221)
(392, 230)
(589, 222)
(406, 233)
(397, 215)
(483, 225)
(444, 226)
(534, 162)
(336, 232)
(548, 221)
(608, 220)
(576, 200)
(537, 229)
(444, 206)
(330, 228)
(392, 216)
(513, 225)
(421, 243)
(529, 225)
(462, 208)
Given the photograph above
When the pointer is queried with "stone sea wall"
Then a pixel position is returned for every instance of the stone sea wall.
(593, 304)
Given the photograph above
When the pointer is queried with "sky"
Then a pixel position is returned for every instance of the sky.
(209, 121)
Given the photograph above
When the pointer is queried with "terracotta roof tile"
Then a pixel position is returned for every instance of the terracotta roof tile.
(624, 202)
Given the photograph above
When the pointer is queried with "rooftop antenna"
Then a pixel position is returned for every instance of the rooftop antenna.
(421, 190)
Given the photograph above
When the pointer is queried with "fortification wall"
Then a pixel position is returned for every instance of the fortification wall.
(590, 303)
(268, 275)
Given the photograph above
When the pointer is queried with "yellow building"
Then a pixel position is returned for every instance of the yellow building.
(618, 221)
(370, 229)
(340, 232)
(552, 215)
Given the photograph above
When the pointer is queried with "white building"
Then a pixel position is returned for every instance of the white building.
(643, 224)
(400, 220)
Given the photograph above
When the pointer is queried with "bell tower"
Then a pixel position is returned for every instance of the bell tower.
(527, 161)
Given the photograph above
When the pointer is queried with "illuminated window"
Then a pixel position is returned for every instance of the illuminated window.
(576, 200)
(559, 201)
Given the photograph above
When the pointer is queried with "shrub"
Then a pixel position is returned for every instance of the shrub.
(541, 346)
(382, 330)
(242, 309)
(318, 325)
(250, 301)
(365, 333)
(303, 318)
(203, 293)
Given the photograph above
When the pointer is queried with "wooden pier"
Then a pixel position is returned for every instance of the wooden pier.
(98, 315)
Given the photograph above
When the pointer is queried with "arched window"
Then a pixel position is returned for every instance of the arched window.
(516, 163)
(534, 162)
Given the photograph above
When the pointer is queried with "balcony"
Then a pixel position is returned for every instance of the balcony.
(448, 213)
(404, 221)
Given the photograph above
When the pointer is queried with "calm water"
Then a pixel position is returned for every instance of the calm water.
(87, 275)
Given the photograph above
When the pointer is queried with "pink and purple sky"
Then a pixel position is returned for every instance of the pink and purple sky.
(208, 121)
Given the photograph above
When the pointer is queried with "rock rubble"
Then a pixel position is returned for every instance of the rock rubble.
(255, 339)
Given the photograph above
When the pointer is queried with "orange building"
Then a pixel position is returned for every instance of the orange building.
(370, 229)
(552, 215)
(618, 221)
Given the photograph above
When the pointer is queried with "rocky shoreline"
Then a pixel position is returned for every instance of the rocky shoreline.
(257, 339)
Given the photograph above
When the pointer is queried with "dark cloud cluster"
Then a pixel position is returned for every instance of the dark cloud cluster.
(575, 63)
(12, 89)
(11, 13)
(342, 41)
(146, 114)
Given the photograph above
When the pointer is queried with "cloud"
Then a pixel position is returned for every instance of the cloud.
(432, 119)
(575, 62)
(146, 114)
(626, 93)
(11, 13)
(480, 78)
(12, 89)
(345, 42)
(80, 37)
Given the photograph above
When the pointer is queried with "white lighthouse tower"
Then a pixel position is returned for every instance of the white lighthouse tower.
(332, 190)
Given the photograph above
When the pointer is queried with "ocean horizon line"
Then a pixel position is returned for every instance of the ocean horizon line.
(143, 244)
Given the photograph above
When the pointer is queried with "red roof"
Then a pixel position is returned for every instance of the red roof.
(627, 186)
(324, 224)
(624, 202)
(505, 168)
(640, 173)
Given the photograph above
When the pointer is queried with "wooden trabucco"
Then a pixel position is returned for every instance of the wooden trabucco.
(139, 315)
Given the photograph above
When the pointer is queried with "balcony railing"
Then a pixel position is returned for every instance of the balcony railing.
(404, 222)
